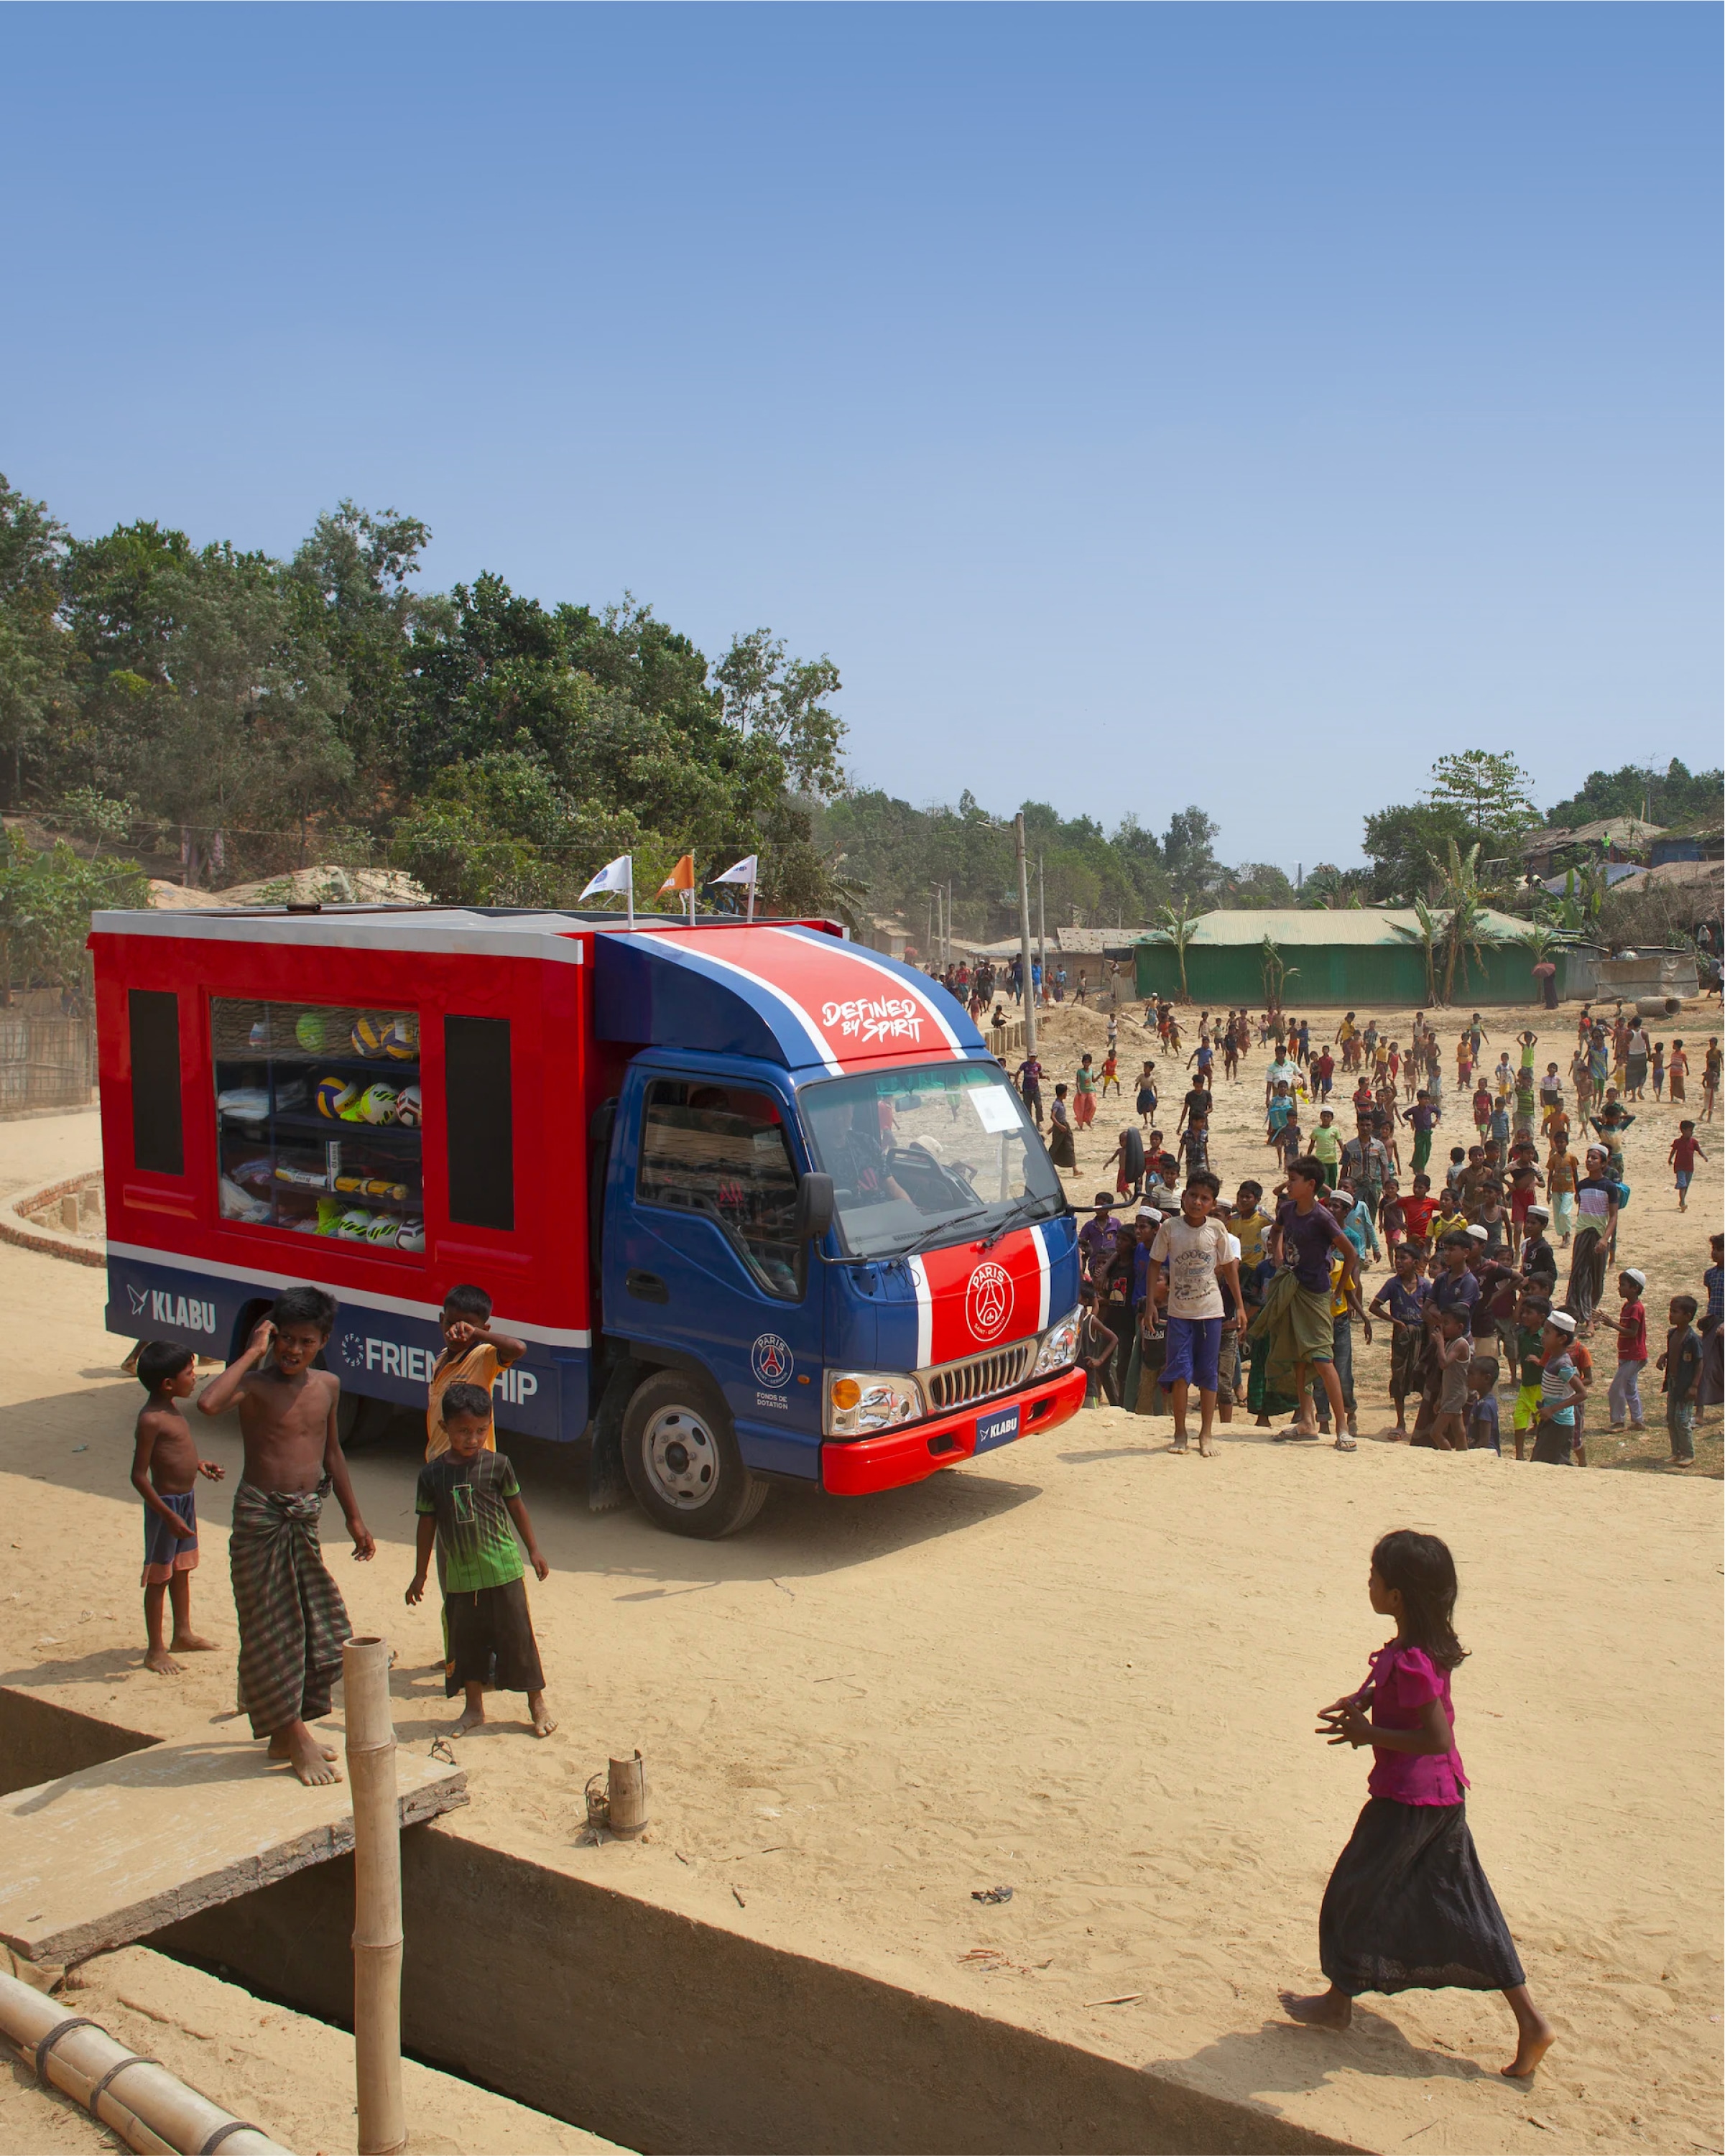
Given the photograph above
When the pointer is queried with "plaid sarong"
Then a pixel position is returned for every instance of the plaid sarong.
(292, 1619)
(1294, 1326)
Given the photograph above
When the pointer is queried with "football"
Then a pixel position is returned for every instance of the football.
(376, 1104)
(408, 1106)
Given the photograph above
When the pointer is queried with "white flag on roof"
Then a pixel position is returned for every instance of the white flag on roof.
(615, 875)
(746, 871)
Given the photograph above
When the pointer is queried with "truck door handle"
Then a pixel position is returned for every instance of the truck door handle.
(647, 1287)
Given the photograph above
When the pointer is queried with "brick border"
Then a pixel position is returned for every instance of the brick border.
(50, 1242)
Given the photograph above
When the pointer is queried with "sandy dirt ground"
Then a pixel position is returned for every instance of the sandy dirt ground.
(292, 2077)
(1084, 1669)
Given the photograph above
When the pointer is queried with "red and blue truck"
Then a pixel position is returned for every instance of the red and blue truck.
(760, 1203)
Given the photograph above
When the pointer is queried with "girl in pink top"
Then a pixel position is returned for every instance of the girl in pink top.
(1408, 1906)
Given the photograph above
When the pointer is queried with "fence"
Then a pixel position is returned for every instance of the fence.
(45, 1063)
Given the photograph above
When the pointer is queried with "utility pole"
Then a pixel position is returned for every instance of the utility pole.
(949, 920)
(1018, 832)
(1041, 925)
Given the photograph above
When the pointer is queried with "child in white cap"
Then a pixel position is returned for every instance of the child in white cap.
(1561, 1392)
(1624, 1396)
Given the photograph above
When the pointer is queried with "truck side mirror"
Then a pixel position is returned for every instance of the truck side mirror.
(813, 1214)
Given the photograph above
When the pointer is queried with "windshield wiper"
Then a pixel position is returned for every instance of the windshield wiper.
(921, 1240)
(1010, 1222)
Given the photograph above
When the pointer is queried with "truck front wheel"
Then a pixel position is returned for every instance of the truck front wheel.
(680, 1456)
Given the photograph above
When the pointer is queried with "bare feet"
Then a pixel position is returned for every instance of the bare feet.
(313, 1764)
(281, 1747)
(542, 1723)
(1327, 2010)
(163, 1663)
(470, 1719)
(1179, 1443)
(1206, 1450)
(192, 1643)
(1537, 2036)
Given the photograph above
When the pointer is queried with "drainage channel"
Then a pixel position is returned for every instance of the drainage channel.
(657, 2030)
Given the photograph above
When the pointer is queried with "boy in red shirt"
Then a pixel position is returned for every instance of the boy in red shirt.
(1684, 1154)
(1625, 1392)
(1417, 1212)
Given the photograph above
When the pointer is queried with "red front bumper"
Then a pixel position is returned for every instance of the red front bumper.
(868, 1464)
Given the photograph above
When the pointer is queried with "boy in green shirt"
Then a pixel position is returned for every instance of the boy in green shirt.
(1327, 1146)
(466, 1500)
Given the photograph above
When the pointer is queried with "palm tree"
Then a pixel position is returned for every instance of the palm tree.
(1276, 975)
(1179, 928)
(1468, 901)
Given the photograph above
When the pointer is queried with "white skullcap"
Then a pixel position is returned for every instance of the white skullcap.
(1480, 1235)
(1634, 1273)
(1561, 1320)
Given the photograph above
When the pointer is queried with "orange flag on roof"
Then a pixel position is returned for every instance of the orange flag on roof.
(681, 877)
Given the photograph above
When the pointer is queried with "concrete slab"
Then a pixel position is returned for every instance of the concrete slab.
(110, 1854)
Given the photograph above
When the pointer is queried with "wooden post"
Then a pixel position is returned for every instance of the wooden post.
(377, 1896)
(1028, 1002)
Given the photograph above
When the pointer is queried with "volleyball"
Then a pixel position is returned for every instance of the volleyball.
(336, 1096)
(408, 1105)
(376, 1104)
(368, 1036)
(401, 1040)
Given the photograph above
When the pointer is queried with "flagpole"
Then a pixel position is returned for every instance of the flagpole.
(692, 891)
(631, 891)
(751, 898)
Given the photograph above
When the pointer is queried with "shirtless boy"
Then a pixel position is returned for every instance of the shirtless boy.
(165, 1469)
(292, 1619)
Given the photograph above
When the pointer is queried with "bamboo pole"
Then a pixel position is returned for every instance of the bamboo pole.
(377, 1896)
(150, 2109)
(1029, 1000)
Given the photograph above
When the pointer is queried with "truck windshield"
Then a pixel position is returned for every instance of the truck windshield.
(913, 1151)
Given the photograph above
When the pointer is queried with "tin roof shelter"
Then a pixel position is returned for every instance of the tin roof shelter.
(1349, 955)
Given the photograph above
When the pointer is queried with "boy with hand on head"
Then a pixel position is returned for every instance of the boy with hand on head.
(293, 1622)
(165, 1469)
(466, 1499)
(1626, 1394)
(473, 1355)
(1195, 1249)
(1681, 1364)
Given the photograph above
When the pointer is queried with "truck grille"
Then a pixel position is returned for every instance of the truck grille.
(979, 1377)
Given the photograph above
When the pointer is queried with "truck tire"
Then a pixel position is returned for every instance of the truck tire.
(680, 1456)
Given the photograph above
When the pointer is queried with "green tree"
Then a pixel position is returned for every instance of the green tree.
(1672, 796)
(46, 900)
(1491, 792)
(35, 690)
(1401, 843)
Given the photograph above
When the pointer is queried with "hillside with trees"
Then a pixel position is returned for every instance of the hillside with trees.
(213, 715)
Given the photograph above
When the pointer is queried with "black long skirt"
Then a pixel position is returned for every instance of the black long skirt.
(1408, 1908)
(491, 1640)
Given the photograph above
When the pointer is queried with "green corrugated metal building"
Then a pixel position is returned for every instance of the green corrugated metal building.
(1350, 956)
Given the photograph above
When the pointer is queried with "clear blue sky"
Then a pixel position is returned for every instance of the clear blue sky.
(1143, 404)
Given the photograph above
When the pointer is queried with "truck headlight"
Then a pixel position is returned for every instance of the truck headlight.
(1060, 1345)
(862, 1403)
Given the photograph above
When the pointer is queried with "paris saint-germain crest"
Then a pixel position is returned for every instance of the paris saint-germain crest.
(988, 1300)
(771, 1361)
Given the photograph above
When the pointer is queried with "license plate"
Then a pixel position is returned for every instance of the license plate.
(1000, 1428)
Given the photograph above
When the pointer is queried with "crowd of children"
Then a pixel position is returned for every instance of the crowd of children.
(292, 1619)
(1473, 1295)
